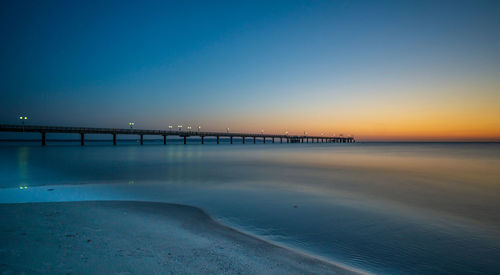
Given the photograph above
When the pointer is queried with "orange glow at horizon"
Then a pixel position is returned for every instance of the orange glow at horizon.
(459, 112)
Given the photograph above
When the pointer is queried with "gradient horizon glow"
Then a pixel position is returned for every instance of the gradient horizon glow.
(379, 70)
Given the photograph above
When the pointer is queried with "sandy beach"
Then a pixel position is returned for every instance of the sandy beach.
(124, 237)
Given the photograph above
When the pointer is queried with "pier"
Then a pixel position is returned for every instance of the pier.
(114, 132)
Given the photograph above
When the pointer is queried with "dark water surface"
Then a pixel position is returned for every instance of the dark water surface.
(414, 208)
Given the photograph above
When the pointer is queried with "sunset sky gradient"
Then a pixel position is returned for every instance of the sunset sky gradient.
(379, 70)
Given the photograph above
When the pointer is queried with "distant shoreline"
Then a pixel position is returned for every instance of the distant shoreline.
(208, 138)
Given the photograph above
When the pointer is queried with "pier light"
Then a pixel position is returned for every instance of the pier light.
(199, 127)
(170, 127)
(131, 124)
(286, 132)
(227, 130)
(23, 118)
(180, 127)
(189, 128)
(262, 131)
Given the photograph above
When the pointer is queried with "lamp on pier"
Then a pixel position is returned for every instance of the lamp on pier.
(23, 118)
(131, 124)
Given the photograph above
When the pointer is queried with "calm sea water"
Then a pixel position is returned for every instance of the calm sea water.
(413, 208)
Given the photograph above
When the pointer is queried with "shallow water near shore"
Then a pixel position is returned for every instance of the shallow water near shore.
(380, 207)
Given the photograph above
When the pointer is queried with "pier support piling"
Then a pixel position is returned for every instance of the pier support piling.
(243, 140)
(142, 139)
(185, 139)
(231, 139)
(114, 139)
(43, 139)
(164, 140)
(217, 139)
(82, 139)
(253, 140)
(202, 140)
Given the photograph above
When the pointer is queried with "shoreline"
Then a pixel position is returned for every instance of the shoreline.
(136, 237)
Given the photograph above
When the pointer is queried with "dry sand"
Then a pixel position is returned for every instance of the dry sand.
(123, 237)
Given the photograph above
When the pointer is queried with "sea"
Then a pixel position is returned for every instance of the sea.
(382, 208)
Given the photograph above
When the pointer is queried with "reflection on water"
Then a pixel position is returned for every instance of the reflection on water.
(381, 207)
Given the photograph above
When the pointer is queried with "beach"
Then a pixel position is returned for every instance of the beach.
(381, 208)
(130, 237)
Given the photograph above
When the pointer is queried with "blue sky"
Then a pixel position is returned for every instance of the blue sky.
(248, 64)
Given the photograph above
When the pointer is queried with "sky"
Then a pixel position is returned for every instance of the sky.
(378, 70)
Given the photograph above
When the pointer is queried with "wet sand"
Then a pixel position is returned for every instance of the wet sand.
(124, 237)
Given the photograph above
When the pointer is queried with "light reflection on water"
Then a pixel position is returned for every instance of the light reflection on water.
(397, 208)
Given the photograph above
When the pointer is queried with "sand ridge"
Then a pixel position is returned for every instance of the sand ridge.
(130, 237)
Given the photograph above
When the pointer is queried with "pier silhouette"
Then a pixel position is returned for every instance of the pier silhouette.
(253, 137)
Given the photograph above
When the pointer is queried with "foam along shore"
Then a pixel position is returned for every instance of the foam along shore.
(121, 237)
